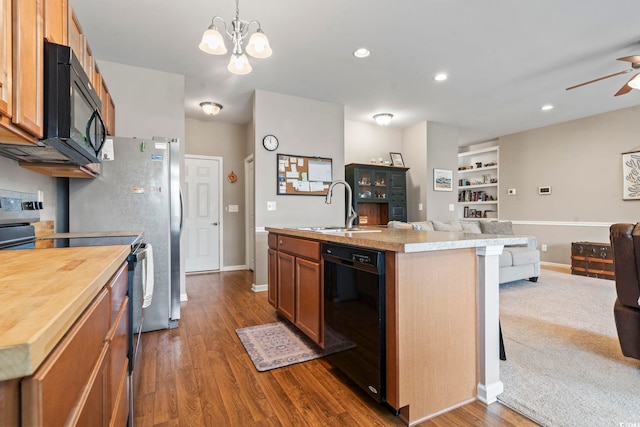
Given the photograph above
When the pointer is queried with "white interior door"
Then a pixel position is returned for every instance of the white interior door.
(250, 216)
(202, 227)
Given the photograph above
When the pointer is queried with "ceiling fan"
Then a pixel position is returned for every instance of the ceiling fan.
(635, 65)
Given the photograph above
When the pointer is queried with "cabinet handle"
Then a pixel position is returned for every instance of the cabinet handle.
(280, 242)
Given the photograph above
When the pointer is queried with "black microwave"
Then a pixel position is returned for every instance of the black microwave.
(72, 122)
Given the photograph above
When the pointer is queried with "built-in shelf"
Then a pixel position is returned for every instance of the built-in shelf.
(465, 187)
(477, 169)
(483, 188)
(488, 202)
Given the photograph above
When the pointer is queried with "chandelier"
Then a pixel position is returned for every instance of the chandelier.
(258, 46)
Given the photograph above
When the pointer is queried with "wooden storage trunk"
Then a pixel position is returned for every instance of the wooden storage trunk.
(592, 259)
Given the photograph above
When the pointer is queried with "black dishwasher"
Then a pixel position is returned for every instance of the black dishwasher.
(354, 313)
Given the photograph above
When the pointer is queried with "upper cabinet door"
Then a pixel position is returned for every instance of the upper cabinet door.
(28, 47)
(76, 38)
(5, 58)
(56, 21)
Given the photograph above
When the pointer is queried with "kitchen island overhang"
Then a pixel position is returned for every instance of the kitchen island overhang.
(442, 315)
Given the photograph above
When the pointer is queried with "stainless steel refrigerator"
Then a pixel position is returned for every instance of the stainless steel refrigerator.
(138, 189)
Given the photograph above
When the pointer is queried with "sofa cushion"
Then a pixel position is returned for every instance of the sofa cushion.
(472, 227)
(496, 227)
(399, 224)
(521, 255)
(447, 226)
(505, 259)
(422, 225)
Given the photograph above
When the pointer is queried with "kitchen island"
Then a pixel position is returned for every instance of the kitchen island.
(60, 308)
(442, 339)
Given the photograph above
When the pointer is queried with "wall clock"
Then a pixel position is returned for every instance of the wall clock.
(270, 142)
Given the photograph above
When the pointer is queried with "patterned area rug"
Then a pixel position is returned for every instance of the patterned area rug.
(279, 344)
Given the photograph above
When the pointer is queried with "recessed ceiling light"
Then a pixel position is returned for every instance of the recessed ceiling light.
(440, 77)
(546, 107)
(362, 52)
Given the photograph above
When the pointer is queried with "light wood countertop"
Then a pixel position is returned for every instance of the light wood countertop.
(42, 293)
(403, 240)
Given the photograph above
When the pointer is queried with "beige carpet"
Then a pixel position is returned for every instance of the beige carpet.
(564, 366)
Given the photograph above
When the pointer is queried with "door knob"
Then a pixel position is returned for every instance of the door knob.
(214, 223)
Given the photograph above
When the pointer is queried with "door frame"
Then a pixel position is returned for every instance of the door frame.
(220, 206)
(249, 194)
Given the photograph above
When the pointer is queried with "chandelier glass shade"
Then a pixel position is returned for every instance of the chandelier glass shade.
(258, 46)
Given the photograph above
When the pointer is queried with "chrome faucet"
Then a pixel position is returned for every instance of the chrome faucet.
(351, 213)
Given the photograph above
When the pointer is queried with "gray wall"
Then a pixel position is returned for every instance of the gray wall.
(303, 127)
(368, 141)
(581, 161)
(13, 177)
(414, 154)
(442, 153)
(208, 138)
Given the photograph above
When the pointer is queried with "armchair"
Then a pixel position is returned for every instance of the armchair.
(625, 242)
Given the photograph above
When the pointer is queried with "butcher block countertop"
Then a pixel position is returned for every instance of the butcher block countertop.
(42, 293)
(402, 240)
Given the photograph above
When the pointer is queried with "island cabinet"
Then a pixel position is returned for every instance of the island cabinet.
(379, 193)
(295, 286)
(431, 331)
(83, 380)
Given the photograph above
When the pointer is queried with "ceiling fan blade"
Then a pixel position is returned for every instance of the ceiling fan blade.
(626, 88)
(634, 59)
(601, 78)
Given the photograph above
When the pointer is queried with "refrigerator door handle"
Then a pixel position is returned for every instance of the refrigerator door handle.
(181, 211)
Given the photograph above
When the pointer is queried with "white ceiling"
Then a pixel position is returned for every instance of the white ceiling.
(505, 58)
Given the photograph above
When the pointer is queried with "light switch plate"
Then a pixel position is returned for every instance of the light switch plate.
(271, 205)
(233, 208)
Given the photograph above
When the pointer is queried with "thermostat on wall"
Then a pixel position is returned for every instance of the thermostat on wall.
(544, 190)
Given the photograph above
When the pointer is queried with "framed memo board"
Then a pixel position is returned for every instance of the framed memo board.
(303, 175)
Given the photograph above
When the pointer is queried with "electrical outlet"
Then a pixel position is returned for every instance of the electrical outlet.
(420, 207)
(271, 206)
(452, 207)
(544, 247)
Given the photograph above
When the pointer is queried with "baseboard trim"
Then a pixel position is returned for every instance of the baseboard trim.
(233, 268)
(259, 288)
(564, 268)
(564, 223)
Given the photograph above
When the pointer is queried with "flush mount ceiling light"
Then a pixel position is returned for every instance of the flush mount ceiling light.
(440, 77)
(212, 42)
(362, 52)
(546, 107)
(383, 119)
(211, 108)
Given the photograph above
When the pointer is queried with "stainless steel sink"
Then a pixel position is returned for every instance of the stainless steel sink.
(338, 229)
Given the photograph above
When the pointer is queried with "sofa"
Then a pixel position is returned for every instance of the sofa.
(516, 262)
(625, 242)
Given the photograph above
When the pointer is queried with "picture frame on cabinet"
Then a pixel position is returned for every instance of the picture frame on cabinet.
(396, 159)
(442, 180)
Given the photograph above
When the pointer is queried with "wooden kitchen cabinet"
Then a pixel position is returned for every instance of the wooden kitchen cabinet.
(295, 286)
(21, 102)
(76, 37)
(83, 381)
(6, 79)
(56, 21)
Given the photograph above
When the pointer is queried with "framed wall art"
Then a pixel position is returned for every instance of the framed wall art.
(631, 176)
(442, 180)
(396, 159)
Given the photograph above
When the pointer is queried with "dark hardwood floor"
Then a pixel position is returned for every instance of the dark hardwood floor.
(200, 375)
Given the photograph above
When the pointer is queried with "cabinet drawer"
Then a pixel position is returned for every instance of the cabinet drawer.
(118, 287)
(92, 410)
(300, 247)
(120, 405)
(50, 394)
(272, 240)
